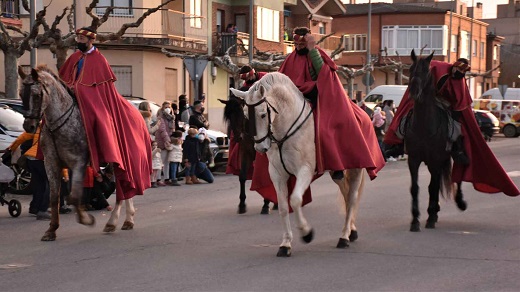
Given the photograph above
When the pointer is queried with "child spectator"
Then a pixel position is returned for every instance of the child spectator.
(206, 158)
(156, 165)
(191, 155)
(175, 156)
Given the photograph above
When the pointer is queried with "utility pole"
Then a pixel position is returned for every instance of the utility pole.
(367, 74)
(451, 29)
(32, 15)
(251, 30)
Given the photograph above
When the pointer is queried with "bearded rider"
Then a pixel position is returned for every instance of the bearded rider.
(473, 159)
(345, 138)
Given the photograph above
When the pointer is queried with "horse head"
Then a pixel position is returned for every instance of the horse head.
(234, 116)
(260, 115)
(421, 80)
(32, 92)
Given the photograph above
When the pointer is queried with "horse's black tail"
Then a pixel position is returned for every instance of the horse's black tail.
(446, 186)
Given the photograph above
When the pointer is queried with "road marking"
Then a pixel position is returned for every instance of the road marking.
(13, 266)
(463, 232)
(514, 173)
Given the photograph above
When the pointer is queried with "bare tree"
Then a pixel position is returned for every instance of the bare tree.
(60, 43)
(14, 47)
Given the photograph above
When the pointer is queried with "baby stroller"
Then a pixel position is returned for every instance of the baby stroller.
(6, 176)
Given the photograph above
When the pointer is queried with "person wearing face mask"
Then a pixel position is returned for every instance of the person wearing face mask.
(115, 130)
(162, 137)
(345, 138)
(197, 119)
(473, 159)
(206, 158)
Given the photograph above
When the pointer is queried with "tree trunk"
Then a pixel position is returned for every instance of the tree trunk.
(400, 76)
(11, 73)
(61, 56)
(351, 93)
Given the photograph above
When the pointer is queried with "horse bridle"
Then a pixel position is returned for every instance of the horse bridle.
(39, 116)
(289, 134)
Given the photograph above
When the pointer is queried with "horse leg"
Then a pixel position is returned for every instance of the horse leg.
(242, 208)
(76, 195)
(349, 187)
(130, 212)
(54, 178)
(413, 166)
(433, 203)
(265, 207)
(459, 198)
(303, 180)
(114, 216)
(280, 186)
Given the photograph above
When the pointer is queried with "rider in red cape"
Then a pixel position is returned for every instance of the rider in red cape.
(116, 132)
(345, 137)
(483, 170)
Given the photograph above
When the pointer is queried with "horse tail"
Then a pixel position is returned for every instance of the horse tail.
(446, 187)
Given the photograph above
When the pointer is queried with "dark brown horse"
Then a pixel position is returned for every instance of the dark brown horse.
(238, 125)
(426, 138)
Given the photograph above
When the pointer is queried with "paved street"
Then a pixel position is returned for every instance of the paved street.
(190, 238)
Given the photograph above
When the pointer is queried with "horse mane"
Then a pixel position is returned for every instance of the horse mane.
(233, 108)
(280, 85)
(49, 76)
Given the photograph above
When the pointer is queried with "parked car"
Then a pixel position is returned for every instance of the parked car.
(487, 122)
(506, 111)
(15, 104)
(219, 142)
(11, 126)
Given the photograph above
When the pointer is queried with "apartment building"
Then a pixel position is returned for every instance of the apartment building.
(140, 66)
(396, 29)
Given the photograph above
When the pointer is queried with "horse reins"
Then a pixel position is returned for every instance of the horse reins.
(269, 134)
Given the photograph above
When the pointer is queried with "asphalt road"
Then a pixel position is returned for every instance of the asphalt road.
(189, 238)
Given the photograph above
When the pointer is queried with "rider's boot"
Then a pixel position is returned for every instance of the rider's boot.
(457, 152)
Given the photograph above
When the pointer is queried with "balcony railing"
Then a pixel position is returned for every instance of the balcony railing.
(8, 8)
(165, 23)
(329, 44)
(226, 40)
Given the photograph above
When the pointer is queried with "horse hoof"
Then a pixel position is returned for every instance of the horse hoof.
(109, 228)
(415, 227)
(430, 225)
(353, 236)
(342, 243)
(91, 222)
(49, 236)
(309, 237)
(127, 225)
(462, 205)
(284, 252)
(242, 209)
(265, 211)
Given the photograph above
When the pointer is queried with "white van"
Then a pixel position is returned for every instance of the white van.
(385, 92)
(494, 93)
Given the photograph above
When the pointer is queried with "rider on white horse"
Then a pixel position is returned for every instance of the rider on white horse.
(345, 138)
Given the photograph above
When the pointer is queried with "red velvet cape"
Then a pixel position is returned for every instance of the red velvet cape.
(116, 131)
(345, 137)
(484, 170)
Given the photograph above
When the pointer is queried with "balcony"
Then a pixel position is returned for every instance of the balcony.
(9, 13)
(329, 44)
(175, 28)
(223, 41)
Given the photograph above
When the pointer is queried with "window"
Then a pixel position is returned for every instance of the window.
(196, 13)
(124, 79)
(321, 27)
(39, 6)
(355, 42)
(474, 48)
(171, 83)
(495, 53)
(403, 38)
(482, 49)
(454, 40)
(124, 10)
(464, 45)
(268, 24)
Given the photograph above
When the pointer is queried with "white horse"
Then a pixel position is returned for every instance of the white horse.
(284, 127)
